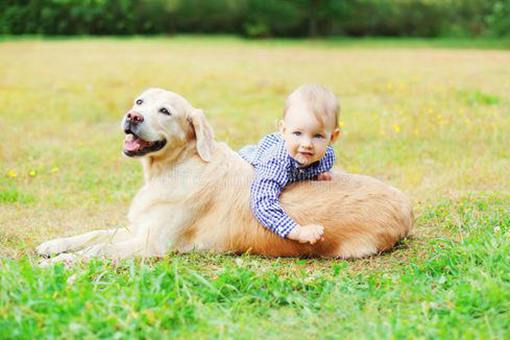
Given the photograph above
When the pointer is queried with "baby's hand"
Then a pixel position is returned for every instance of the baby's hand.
(307, 233)
(325, 176)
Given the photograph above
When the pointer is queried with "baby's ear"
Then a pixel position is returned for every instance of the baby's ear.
(281, 126)
(334, 135)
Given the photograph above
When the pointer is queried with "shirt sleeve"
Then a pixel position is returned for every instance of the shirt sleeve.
(248, 153)
(270, 179)
(327, 162)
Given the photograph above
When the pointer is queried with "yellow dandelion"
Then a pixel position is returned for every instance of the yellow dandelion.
(396, 127)
(12, 174)
(32, 173)
(341, 124)
(54, 170)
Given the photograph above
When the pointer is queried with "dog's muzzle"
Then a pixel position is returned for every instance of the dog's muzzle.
(133, 144)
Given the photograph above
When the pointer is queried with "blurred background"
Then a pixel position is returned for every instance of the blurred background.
(259, 18)
(424, 88)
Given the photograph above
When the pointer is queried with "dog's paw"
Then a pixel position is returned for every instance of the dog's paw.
(52, 247)
(93, 251)
(66, 259)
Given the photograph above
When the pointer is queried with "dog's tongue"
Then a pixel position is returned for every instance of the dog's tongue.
(132, 143)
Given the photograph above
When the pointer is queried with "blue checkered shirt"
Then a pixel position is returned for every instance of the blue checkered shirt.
(275, 169)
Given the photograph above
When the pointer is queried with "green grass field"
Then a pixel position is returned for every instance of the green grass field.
(432, 121)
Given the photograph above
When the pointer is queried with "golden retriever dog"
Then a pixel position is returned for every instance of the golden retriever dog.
(196, 197)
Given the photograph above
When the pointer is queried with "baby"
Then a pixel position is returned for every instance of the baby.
(300, 151)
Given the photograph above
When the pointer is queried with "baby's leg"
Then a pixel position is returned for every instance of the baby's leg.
(248, 153)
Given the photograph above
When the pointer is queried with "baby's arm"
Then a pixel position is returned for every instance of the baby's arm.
(325, 176)
(307, 233)
(326, 164)
(269, 182)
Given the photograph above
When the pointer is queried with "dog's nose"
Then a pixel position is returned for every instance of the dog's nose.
(134, 117)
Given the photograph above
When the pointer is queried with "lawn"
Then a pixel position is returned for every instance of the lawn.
(432, 121)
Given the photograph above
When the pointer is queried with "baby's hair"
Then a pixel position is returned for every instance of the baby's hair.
(321, 101)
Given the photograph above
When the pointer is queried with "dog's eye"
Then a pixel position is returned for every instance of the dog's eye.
(139, 102)
(164, 111)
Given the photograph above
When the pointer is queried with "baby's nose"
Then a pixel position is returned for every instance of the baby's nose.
(306, 144)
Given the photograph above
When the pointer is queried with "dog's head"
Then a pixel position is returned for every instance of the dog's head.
(161, 120)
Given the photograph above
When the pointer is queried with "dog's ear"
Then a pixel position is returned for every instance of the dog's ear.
(203, 134)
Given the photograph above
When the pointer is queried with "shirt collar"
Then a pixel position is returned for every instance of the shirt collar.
(296, 165)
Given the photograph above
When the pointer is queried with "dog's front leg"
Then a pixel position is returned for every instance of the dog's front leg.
(120, 250)
(157, 232)
(135, 246)
(74, 243)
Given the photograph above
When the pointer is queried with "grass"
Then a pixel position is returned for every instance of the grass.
(360, 42)
(431, 121)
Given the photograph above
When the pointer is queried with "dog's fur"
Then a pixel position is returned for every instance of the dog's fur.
(196, 196)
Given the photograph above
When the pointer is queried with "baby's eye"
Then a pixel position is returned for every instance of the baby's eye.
(318, 136)
(296, 133)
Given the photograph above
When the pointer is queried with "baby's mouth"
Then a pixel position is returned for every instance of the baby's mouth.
(306, 153)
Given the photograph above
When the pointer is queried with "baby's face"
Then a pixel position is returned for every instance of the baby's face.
(305, 138)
